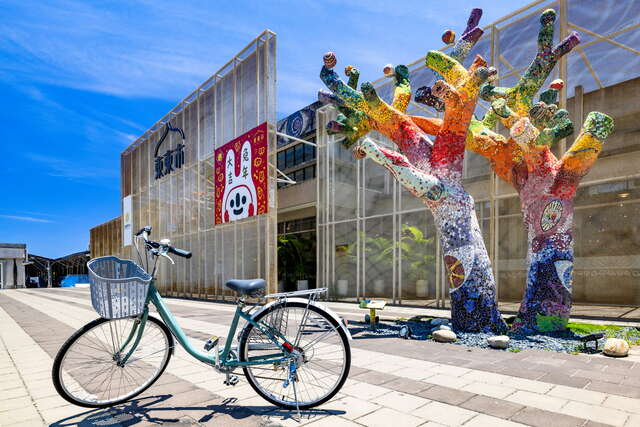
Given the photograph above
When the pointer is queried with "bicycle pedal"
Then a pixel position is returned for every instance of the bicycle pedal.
(231, 380)
(211, 342)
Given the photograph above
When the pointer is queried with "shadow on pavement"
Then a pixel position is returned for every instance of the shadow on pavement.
(150, 410)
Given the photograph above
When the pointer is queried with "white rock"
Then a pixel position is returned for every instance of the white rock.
(440, 328)
(499, 341)
(616, 347)
(439, 321)
(444, 336)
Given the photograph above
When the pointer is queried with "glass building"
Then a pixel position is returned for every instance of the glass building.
(377, 240)
(177, 198)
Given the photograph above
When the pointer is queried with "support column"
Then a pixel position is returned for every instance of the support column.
(578, 104)
(9, 278)
(49, 274)
(20, 280)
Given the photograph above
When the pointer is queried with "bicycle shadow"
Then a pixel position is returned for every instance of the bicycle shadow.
(273, 413)
(149, 410)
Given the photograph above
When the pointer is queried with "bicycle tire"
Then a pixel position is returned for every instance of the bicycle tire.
(244, 340)
(56, 371)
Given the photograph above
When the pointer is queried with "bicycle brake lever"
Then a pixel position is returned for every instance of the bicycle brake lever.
(164, 254)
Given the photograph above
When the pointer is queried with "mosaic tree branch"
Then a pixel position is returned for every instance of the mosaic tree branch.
(354, 123)
(520, 97)
(459, 53)
(432, 172)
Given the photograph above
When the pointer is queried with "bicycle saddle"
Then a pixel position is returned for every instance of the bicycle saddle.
(250, 288)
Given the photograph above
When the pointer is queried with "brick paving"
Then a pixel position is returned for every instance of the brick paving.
(392, 382)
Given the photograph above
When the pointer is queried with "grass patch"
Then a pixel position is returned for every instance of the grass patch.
(514, 350)
(628, 333)
(591, 328)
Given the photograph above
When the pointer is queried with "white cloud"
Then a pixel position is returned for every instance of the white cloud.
(26, 218)
(64, 168)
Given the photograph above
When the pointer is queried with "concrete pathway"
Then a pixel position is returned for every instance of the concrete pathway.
(393, 382)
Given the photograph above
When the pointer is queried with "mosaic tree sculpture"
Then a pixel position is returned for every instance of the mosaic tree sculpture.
(546, 185)
(432, 171)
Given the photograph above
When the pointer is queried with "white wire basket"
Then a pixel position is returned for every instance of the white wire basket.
(118, 287)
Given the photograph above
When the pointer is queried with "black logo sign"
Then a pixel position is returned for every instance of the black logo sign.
(171, 159)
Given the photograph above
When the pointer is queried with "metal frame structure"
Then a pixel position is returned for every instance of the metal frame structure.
(285, 178)
(581, 76)
(179, 206)
(54, 269)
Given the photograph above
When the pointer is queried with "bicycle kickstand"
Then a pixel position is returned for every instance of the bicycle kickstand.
(295, 396)
(231, 379)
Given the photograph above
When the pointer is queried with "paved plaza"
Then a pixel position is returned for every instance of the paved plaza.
(393, 382)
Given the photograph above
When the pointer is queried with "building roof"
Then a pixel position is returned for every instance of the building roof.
(13, 245)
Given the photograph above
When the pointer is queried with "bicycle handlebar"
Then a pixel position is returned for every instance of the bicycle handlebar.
(176, 251)
(180, 252)
(143, 229)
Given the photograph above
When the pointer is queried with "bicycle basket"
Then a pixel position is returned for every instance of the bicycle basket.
(118, 287)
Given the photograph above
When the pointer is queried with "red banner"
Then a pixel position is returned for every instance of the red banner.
(241, 176)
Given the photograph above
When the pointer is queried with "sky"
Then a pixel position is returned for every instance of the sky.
(80, 80)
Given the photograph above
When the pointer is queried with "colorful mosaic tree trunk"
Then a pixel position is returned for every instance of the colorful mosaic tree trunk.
(546, 185)
(431, 170)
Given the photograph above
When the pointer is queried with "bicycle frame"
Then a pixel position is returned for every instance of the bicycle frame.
(222, 357)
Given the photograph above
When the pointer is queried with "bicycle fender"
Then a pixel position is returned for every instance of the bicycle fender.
(322, 307)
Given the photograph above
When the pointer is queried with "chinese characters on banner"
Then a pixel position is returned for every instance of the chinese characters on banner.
(241, 176)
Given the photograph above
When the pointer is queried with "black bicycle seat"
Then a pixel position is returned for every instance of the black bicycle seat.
(251, 288)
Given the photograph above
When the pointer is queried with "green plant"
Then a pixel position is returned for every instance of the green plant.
(416, 251)
(514, 350)
(379, 251)
(296, 259)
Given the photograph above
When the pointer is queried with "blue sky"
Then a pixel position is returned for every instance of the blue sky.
(80, 80)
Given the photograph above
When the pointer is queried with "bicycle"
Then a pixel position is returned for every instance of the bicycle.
(293, 351)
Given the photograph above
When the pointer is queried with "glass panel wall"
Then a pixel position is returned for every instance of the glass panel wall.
(179, 203)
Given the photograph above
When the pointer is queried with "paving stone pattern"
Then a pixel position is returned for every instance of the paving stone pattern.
(393, 382)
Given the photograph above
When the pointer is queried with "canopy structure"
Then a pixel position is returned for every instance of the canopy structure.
(51, 271)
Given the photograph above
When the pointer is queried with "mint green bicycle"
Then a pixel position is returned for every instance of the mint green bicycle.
(294, 352)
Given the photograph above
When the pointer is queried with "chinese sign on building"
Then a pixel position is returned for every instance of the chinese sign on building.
(241, 176)
(167, 161)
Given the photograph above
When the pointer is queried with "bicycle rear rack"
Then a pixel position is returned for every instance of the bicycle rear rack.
(312, 294)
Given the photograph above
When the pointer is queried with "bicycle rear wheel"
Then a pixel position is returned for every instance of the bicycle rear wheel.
(86, 371)
(321, 367)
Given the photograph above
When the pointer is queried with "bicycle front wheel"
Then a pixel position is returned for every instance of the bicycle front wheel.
(88, 370)
(322, 364)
